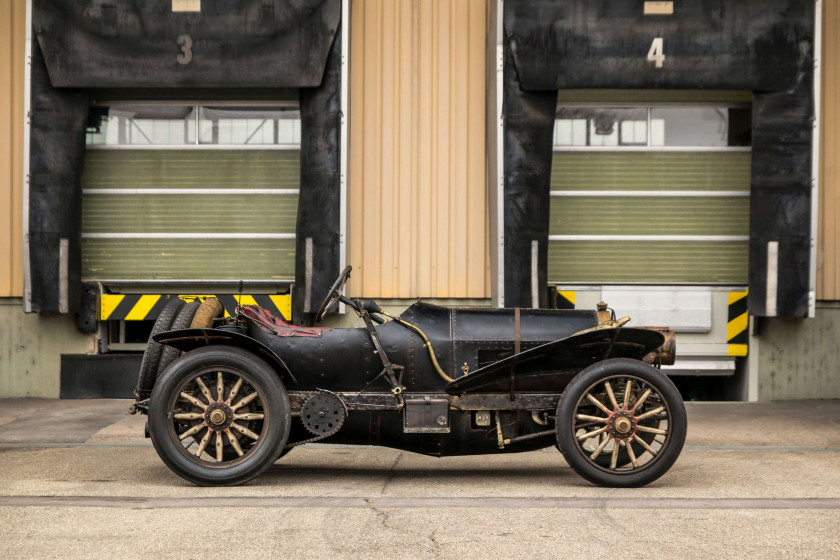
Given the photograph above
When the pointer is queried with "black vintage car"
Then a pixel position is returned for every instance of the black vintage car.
(227, 397)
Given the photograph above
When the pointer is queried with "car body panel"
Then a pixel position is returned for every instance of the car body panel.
(545, 367)
(342, 359)
(475, 347)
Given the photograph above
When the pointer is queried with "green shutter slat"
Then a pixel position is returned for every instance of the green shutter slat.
(188, 259)
(656, 262)
(599, 171)
(200, 213)
(206, 169)
(587, 215)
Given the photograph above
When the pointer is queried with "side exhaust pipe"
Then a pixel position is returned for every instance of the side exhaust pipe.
(666, 354)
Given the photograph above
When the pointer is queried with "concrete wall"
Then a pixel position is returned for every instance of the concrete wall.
(800, 358)
(31, 347)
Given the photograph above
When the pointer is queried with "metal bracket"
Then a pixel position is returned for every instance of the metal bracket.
(500, 438)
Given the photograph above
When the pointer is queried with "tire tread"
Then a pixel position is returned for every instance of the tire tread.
(182, 321)
(154, 350)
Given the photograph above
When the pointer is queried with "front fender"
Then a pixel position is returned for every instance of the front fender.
(551, 366)
(190, 339)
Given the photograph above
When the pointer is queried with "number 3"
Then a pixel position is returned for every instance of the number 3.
(655, 53)
(185, 56)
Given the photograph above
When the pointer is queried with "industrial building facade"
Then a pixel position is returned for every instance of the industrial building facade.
(674, 159)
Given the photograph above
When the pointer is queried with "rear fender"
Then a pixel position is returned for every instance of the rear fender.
(190, 339)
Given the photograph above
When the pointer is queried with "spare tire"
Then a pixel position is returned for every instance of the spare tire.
(151, 357)
(182, 321)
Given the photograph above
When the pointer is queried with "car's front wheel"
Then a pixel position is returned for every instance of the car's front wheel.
(219, 416)
(617, 410)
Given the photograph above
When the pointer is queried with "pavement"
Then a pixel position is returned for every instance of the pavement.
(755, 480)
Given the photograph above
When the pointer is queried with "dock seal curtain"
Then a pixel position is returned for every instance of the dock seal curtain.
(139, 48)
(763, 46)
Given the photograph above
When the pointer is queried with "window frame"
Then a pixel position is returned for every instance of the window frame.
(649, 108)
(196, 145)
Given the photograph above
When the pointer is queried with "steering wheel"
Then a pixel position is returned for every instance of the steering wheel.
(333, 294)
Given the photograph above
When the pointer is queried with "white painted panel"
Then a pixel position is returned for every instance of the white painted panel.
(689, 366)
(681, 310)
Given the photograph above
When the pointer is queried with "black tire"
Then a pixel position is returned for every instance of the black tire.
(182, 321)
(666, 395)
(272, 399)
(152, 354)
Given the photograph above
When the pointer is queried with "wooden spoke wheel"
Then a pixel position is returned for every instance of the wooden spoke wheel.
(621, 423)
(219, 416)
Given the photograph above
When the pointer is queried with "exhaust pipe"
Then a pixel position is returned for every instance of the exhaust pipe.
(666, 354)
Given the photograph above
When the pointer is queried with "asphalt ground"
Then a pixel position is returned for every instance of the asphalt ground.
(755, 480)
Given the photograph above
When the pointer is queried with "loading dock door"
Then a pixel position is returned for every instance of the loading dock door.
(174, 192)
(654, 193)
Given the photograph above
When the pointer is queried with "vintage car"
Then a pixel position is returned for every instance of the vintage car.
(226, 397)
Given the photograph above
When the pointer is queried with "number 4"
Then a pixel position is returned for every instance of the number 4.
(655, 53)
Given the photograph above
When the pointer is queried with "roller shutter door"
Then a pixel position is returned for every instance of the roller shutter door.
(184, 210)
(652, 193)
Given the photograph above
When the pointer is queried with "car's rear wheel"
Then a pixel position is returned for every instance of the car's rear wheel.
(219, 416)
(621, 408)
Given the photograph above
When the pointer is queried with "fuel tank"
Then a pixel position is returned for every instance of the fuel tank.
(463, 339)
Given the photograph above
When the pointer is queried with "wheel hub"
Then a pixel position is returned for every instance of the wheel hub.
(621, 424)
(218, 416)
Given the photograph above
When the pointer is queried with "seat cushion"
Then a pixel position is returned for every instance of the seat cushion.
(262, 317)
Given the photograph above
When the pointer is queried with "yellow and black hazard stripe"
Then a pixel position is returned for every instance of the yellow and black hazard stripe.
(737, 336)
(147, 307)
(565, 299)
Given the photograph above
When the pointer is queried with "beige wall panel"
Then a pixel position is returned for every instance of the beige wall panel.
(828, 248)
(12, 25)
(5, 147)
(417, 202)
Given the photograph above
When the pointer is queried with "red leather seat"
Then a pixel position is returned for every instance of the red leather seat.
(261, 315)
